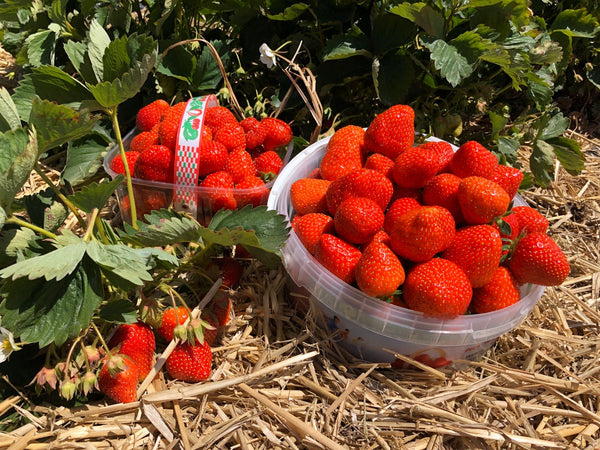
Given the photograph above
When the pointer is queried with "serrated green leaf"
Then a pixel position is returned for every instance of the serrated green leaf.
(161, 257)
(395, 76)
(353, 43)
(95, 195)
(44, 210)
(14, 241)
(290, 13)
(423, 15)
(566, 43)
(17, 158)
(207, 75)
(593, 76)
(9, 115)
(555, 127)
(508, 145)
(453, 66)
(80, 58)
(41, 48)
(54, 265)
(119, 311)
(576, 23)
(541, 93)
(44, 312)
(500, 14)
(124, 262)
(57, 124)
(391, 32)
(568, 152)
(84, 158)
(164, 227)
(98, 40)
(541, 162)
(180, 63)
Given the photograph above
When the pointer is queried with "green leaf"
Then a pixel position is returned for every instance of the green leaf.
(180, 63)
(566, 43)
(453, 66)
(57, 124)
(54, 265)
(499, 14)
(119, 311)
(98, 40)
(391, 32)
(44, 210)
(122, 261)
(568, 152)
(576, 23)
(14, 241)
(207, 75)
(541, 93)
(394, 78)
(353, 43)
(164, 227)
(41, 47)
(555, 127)
(593, 75)
(423, 15)
(17, 159)
(290, 13)
(471, 45)
(9, 115)
(508, 145)
(541, 162)
(80, 58)
(84, 158)
(44, 312)
(498, 122)
(95, 195)
(2, 217)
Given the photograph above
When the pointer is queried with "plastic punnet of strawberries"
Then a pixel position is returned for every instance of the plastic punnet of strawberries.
(236, 160)
(422, 226)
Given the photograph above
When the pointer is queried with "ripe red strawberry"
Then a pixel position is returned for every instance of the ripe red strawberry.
(171, 318)
(345, 153)
(220, 306)
(307, 195)
(217, 116)
(442, 190)
(116, 165)
(414, 167)
(144, 139)
(150, 115)
(500, 292)
(391, 132)
(255, 134)
(169, 125)
(191, 363)
(400, 192)
(277, 133)
(530, 220)
(481, 200)
(380, 163)
(148, 200)
(118, 378)
(207, 328)
(268, 164)
(217, 192)
(437, 288)
(473, 159)
(398, 208)
(422, 232)
(212, 157)
(537, 259)
(381, 237)
(251, 190)
(156, 163)
(379, 272)
(136, 341)
(509, 178)
(338, 256)
(360, 183)
(444, 150)
(239, 165)
(310, 227)
(476, 250)
(357, 219)
(231, 271)
(231, 135)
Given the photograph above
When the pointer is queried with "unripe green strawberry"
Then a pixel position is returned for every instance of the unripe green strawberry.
(476, 250)
(391, 132)
(357, 219)
(379, 272)
(191, 363)
(473, 159)
(442, 190)
(338, 256)
(360, 183)
(481, 200)
(509, 178)
(155, 163)
(118, 378)
(150, 115)
(437, 288)
(345, 153)
(537, 259)
(307, 195)
(277, 133)
(414, 167)
(135, 340)
(500, 292)
(530, 220)
(398, 208)
(422, 232)
(310, 227)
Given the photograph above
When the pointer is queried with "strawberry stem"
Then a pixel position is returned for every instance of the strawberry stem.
(23, 223)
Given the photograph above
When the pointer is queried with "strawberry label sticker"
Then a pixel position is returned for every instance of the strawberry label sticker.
(187, 152)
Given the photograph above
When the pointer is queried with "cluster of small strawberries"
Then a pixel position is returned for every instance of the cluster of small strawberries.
(235, 158)
(133, 346)
(420, 225)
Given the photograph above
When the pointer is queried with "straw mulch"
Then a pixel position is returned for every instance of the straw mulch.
(279, 381)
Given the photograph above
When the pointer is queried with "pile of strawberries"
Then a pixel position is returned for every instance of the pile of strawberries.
(422, 226)
(236, 158)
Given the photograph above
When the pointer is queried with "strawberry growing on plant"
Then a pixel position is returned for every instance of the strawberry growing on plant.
(171, 318)
(118, 378)
(135, 340)
(191, 363)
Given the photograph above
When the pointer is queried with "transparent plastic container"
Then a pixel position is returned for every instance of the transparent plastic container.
(374, 330)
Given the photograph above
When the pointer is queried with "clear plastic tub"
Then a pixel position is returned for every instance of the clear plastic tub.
(370, 328)
(151, 195)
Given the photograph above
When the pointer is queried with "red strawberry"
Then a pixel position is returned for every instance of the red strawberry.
(345, 153)
(116, 165)
(218, 192)
(217, 116)
(251, 190)
(207, 327)
(508, 177)
(171, 318)
(268, 164)
(118, 378)
(239, 165)
(400, 192)
(530, 220)
(169, 125)
(148, 200)
(444, 150)
(398, 208)
(481, 200)
(500, 292)
(220, 306)
(137, 342)
(277, 133)
(391, 132)
(537, 259)
(357, 219)
(338, 256)
(212, 157)
(191, 363)
(508, 227)
(255, 134)
(437, 288)
(310, 227)
(144, 139)
(307, 195)
(379, 272)
(381, 236)
(380, 163)
(231, 135)
(473, 159)
(476, 250)
(150, 115)
(414, 167)
(231, 271)
(360, 183)
(422, 232)
(156, 163)
(442, 190)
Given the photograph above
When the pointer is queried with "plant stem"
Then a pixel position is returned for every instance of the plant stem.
(60, 195)
(23, 223)
(90, 227)
(100, 227)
